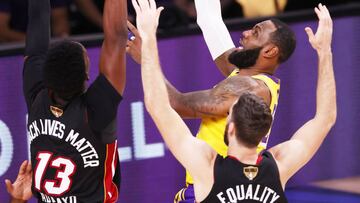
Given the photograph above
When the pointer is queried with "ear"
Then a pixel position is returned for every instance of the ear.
(270, 51)
(231, 129)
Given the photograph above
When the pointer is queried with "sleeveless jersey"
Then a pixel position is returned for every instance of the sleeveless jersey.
(212, 129)
(238, 182)
(74, 148)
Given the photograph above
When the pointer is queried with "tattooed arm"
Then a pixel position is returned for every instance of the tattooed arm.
(215, 102)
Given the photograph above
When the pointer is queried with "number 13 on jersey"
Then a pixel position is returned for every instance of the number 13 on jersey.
(65, 168)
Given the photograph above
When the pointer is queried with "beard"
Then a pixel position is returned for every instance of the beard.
(244, 59)
(226, 139)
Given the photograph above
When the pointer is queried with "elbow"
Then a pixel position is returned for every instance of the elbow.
(177, 101)
(174, 104)
(332, 117)
(328, 119)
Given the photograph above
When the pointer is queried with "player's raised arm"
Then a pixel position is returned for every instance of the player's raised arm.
(37, 44)
(112, 59)
(38, 32)
(216, 34)
(192, 153)
(307, 140)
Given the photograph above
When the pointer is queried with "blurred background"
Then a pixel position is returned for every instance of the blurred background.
(75, 17)
(149, 172)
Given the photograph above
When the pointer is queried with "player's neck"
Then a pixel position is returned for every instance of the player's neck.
(242, 153)
(250, 72)
(256, 70)
(56, 99)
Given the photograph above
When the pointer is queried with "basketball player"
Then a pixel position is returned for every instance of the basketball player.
(251, 68)
(73, 130)
(243, 174)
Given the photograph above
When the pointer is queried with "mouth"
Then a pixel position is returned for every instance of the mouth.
(241, 42)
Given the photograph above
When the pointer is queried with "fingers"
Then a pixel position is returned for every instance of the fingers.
(136, 6)
(28, 168)
(23, 167)
(152, 4)
(132, 28)
(144, 4)
(129, 45)
(9, 186)
(310, 33)
(158, 11)
(318, 13)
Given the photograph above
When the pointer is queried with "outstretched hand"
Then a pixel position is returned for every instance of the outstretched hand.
(147, 17)
(21, 188)
(321, 40)
(133, 46)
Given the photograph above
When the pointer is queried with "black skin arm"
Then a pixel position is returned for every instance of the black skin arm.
(223, 64)
(38, 33)
(112, 58)
(37, 44)
(215, 102)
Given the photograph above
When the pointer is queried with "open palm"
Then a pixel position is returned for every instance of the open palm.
(21, 188)
(321, 40)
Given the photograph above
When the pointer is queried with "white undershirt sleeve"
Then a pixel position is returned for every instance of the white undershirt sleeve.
(215, 32)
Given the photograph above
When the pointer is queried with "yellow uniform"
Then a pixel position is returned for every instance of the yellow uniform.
(212, 129)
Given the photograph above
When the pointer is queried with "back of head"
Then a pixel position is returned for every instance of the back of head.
(284, 38)
(65, 69)
(252, 118)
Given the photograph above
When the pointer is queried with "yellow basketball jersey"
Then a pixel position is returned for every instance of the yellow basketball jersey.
(212, 129)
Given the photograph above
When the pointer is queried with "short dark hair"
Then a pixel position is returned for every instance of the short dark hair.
(252, 118)
(64, 69)
(284, 38)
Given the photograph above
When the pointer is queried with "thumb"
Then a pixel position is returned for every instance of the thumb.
(159, 10)
(9, 186)
(310, 33)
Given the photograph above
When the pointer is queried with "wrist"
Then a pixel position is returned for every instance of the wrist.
(324, 51)
(147, 36)
(15, 200)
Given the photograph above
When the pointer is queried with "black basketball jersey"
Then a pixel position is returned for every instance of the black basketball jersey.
(238, 182)
(73, 147)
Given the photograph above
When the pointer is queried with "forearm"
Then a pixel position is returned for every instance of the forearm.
(326, 89)
(175, 97)
(112, 57)
(314, 131)
(173, 130)
(115, 21)
(38, 33)
(215, 32)
(155, 92)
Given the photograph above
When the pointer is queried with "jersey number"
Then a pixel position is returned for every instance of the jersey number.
(65, 169)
